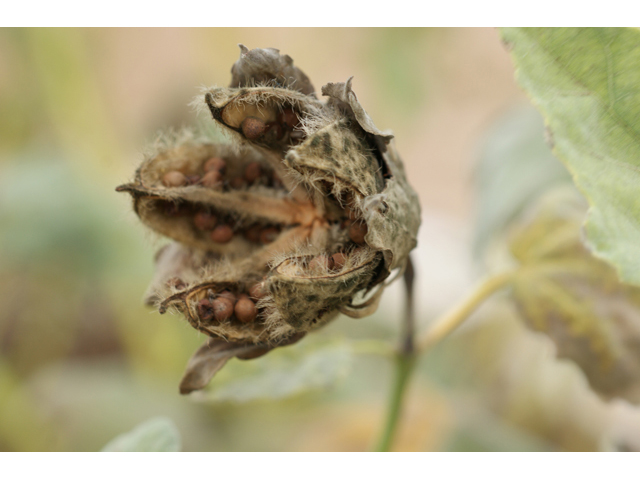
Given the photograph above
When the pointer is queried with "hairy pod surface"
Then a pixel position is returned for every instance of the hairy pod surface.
(276, 232)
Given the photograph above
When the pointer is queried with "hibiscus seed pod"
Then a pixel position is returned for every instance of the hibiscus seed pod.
(338, 220)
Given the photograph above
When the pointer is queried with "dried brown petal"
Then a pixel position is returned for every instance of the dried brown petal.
(267, 66)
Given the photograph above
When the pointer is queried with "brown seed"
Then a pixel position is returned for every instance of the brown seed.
(222, 309)
(212, 179)
(246, 310)
(257, 291)
(174, 178)
(229, 296)
(321, 263)
(288, 118)
(274, 133)
(269, 234)
(237, 182)
(277, 182)
(252, 172)
(205, 309)
(357, 231)
(176, 283)
(253, 128)
(174, 209)
(215, 164)
(351, 213)
(339, 260)
(253, 233)
(205, 221)
(222, 234)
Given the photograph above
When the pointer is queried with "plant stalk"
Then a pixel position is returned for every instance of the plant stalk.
(453, 319)
(404, 362)
(407, 355)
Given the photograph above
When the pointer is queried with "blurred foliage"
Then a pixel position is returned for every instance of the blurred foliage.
(515, 167)
(577, 299)
(155, 435)
(282, 373)
(81, 360)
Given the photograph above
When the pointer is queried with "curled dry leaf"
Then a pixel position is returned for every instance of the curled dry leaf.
(280, 230)
(577, 299)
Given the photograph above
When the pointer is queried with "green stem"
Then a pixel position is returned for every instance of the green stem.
(405, 360)
(408, 353)
(404, 366)
(453, 319)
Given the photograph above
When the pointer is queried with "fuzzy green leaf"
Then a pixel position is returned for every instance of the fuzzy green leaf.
(155, 435)
(586, 82)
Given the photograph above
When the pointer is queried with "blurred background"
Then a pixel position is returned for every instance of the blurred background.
(82, 360)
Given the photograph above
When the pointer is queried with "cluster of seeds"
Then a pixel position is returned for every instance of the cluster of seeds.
(225, 306)
(214, 176)
(324, 262)
(219, 227)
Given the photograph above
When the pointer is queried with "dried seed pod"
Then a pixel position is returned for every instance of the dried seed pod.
(334, 166)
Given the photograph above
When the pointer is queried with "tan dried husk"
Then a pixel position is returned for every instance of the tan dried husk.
(337, 164)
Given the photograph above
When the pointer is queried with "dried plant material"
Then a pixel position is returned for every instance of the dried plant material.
(577, 299)
(307, 209)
